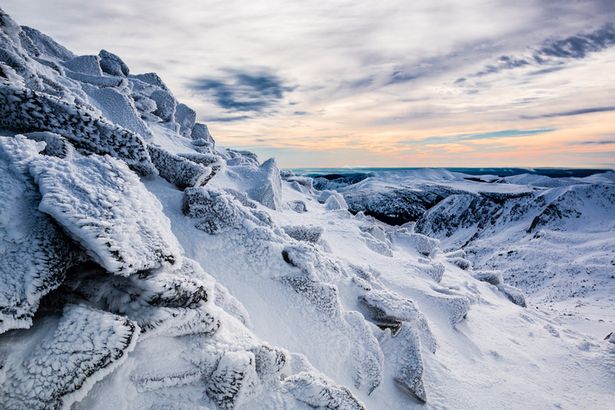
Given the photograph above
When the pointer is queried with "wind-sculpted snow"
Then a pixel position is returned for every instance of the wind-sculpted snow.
(34, 253)
(59, 363)
(25, 110)
(105, 207)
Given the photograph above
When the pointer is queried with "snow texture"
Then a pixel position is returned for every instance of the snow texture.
(104, 206)
(24, 110)
(58, 368)
(34, 253)
(178, 170)
(317, 392)
(304, 233)
(404, 349)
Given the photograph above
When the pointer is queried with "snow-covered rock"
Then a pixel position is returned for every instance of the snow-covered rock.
(34, 253)
(317, 392)
(106, 208)
(25, 110)
(422, 243)
(178, 170)
(404, 349)
(267, 185)
(62, 359)
(112, 64)
(513, 294)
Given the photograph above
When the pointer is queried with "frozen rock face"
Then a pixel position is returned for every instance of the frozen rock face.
(27, 110)
(34, 253)
(268, 185)
(178, 170)
(105, 207)
(112, 64)
(62, 359)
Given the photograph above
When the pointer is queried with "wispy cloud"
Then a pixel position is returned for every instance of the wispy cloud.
(448, 139)
(571, 113)
(598, 142)
(555, 52)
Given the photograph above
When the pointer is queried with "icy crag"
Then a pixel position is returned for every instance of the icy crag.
(143, 266)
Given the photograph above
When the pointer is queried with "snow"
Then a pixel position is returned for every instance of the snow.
(34, 253)
(217, 281)
(61, 361)
(105, 207)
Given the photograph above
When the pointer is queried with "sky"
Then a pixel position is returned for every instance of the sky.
(336, 83)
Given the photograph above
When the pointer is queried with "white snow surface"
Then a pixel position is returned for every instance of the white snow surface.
(211, 280)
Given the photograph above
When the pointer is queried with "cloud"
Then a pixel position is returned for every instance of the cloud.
(580, 111)
(244, 91)
(556, 52)
(598, 142)
(451, 139)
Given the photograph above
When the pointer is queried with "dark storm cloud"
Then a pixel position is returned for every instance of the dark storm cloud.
(244, 91)
(580, 111)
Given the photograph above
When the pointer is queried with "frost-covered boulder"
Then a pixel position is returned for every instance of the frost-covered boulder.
(421, 243)
(389, 310)
(55, 144)
(368, 359)
(24, 110)
(267, 185)
(200, 132)
(112, 64)
(404, 351)
(431, 268)
(454, 306)
(34, 253)
(332, 200)
(118, 108)
(165, 104)
(461, 263)
(304, 233)
(513, 294)
(186, 118)
(492, 277)
(316, 391)
(55, 364)
(234, 380)
(89, 65)
(215, 210)
(178, 170)
(169, 301)
(208, 160)
(106, 208)
(298, 206)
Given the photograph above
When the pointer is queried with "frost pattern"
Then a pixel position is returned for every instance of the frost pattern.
(34, 253)
(105, 207)
(25, 110)
(53, 373)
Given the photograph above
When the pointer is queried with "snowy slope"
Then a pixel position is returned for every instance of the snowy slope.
(182, 275)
